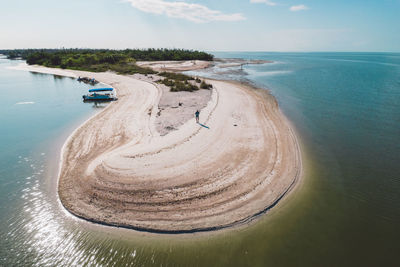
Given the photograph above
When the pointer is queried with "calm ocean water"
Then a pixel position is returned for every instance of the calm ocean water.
(346, 109)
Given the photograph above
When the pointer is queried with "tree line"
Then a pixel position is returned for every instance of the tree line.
(106, 55)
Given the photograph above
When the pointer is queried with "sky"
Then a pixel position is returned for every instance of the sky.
(211, 25)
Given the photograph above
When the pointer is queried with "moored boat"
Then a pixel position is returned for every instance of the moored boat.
(91, 81)
(100, 94)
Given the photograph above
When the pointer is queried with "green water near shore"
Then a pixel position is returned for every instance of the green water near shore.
(345, 212)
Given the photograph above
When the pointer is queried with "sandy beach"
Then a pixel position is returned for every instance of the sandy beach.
(117, 169)
(175, 65)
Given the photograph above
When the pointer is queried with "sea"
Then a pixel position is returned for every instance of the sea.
(345, 109)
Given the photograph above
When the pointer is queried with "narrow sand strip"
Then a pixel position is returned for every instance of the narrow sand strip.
(117, 170)
(183, 65)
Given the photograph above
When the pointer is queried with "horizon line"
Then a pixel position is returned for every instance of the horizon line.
(213, 51)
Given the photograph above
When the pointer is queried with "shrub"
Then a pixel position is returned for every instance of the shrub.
(205, 85)
(168, 82)
(176, 76)
(180, 86)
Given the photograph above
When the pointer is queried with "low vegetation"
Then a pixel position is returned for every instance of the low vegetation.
(178, 86)
(205, 85)
(181, 82)
(176, 76)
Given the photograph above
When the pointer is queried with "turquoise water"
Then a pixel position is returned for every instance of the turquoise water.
(346, 109)
(37, 111)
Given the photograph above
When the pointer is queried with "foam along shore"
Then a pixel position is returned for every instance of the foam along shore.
(117, 170)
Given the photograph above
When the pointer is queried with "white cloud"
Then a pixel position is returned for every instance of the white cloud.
(178, 9)
(298, 8)
(267, 2)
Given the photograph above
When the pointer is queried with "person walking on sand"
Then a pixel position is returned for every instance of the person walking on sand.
(197, 115)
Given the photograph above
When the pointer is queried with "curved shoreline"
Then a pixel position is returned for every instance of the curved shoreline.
(88, 176)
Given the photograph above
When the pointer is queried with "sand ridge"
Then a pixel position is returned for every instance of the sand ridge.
(117, 169)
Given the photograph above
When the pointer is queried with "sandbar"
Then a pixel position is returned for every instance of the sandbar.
(118, 170)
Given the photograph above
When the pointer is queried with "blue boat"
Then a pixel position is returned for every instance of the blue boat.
(100, 95)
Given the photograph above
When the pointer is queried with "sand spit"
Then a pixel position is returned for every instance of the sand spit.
(175, 65)
(44, 70)
(117, 169)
